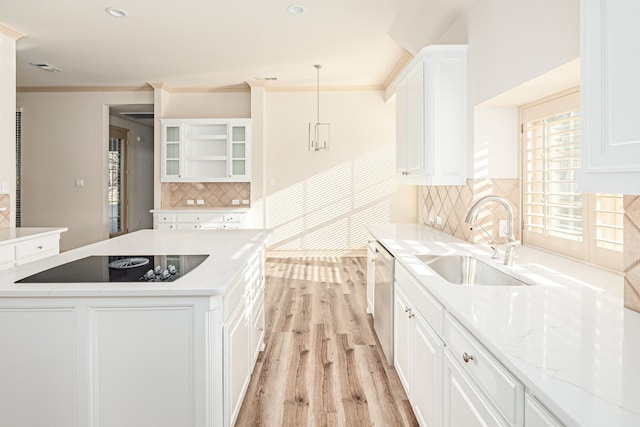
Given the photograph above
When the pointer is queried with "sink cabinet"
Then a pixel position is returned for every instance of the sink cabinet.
(418, 349)
(206, 150)
(432, 116)
(610, 92)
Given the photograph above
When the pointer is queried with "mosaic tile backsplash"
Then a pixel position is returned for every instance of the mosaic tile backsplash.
(452, 202)
(214, 194)
(5, 202)
(632, 252)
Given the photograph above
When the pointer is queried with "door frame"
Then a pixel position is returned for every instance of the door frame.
(121, 133)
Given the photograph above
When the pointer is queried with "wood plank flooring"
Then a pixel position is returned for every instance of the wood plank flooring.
(322, 365)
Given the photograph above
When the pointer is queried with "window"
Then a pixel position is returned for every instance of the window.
(555, 215)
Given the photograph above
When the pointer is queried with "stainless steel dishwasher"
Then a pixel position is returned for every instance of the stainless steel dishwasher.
(383, 300)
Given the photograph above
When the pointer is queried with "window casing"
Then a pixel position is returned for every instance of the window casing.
(555, 215)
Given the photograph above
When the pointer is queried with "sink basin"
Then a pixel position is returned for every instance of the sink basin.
(469, 271)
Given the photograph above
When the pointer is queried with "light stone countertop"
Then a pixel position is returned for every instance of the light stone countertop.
(229, 253)
(568, 339)
(13, 235)
(195, 209)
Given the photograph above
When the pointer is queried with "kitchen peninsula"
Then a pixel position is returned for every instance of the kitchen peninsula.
(161, 353)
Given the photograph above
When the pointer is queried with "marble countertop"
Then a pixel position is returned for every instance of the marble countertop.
(13, 235)
(229, 252)
(568, 339)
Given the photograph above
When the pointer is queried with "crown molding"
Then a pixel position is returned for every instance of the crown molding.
(325, 88)
(11, 32)
(400, 65)
(83, 88)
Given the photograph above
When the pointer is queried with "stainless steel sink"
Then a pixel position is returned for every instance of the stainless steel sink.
(467, 270)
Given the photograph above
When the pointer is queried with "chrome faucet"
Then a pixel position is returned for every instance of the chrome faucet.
(512, 243)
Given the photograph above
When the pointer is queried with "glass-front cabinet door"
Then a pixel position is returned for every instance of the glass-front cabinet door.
(172, 138)
(239, 159)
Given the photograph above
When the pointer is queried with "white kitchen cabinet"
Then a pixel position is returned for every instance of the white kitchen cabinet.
(236, 361)
(610, 93)
(418, 351)
(464, 404)
(537, 415)
(206, 150)
(204, 219)
(371, 273)
(432, 118)
(496, 384)
(25, 246)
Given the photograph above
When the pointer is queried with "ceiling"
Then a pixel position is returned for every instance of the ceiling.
(210, 43)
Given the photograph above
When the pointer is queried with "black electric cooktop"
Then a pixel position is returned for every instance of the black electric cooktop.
(121, 268)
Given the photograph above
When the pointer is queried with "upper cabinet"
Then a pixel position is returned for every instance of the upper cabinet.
(432, 118)
(206, 150)
(610, 68)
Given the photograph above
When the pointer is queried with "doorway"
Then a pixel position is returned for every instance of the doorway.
(118, 171)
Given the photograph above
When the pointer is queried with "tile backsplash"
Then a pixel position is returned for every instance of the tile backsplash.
(214, 194)
(632, 252)
(5, 202)
(452, 202)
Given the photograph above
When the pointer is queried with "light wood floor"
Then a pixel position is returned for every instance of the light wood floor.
(322, 365)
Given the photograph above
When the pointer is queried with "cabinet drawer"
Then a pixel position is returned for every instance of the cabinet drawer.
(200, 217)
(7, 256)
(37, 248)
(420, 297)
(162, 218)
(235, 218)
(502, 388)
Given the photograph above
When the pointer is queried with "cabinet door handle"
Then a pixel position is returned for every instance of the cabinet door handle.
(411, 314)
(40, 246)
(467, 357)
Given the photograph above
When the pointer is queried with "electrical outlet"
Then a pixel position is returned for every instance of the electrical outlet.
(502, 228)
(190, 202)
(200, 201)
(235, 202)
(432, 219)
(245, 202)
(439, 220)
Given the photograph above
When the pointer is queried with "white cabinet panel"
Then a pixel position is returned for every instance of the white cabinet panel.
(610, 93)
(426, 368)
(130, 347)
(402, 339)
(371, 273)
(432, 118)
(236, 362)
(536, 415)
(38, 382)
(464, 405)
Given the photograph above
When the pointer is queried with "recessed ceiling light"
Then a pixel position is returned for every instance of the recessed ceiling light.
(115, 12)
(295, 9)
(47, 67)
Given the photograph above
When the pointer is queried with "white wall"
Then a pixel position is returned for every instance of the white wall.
(512, 43)
(65, 137)
(187, 105)
(322, 200)
(140, 179)
(8, 117)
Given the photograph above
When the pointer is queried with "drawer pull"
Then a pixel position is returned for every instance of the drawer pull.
(467, 357)
(40, 246)
(411, 314)
(407, 309)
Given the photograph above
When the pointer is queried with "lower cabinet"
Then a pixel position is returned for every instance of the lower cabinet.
(237, 355)
(371, 272)
(536, 415)
(464, 404)
(418, 359)
(205, 219)
(28, 250)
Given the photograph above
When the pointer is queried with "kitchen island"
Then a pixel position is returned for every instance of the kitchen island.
(136, 353)
(563, 351)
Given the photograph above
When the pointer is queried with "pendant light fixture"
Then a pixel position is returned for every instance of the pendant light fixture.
(319, 133)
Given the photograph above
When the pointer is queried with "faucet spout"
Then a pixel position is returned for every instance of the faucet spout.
(512, 243)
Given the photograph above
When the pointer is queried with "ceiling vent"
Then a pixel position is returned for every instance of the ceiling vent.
(47, 67)
(139, 116)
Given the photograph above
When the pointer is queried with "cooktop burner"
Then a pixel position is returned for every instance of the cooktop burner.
(121, 268)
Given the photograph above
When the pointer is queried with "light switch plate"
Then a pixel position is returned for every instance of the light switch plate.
(245, 202)
(235, 202)
(200, 202)
(190, 202)
(439, 220)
